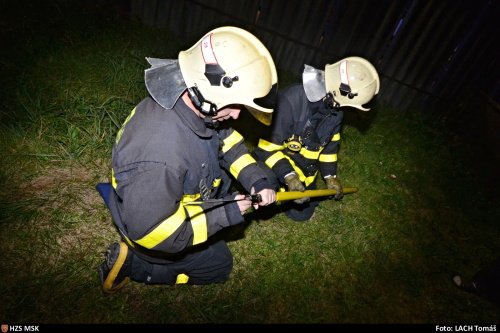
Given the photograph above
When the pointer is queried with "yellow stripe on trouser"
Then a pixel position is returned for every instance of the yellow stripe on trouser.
(182, 279)
(240, 163)
(231, 141)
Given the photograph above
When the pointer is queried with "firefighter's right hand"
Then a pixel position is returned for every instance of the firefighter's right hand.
(293, 183)
(267, 197)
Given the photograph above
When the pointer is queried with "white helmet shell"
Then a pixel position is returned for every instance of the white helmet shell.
(228, 66)
(353, 81)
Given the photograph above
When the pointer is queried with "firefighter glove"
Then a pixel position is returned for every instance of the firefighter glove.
(294, 184)
(333, 183)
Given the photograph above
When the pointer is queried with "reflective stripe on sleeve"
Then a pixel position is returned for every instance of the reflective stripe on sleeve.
(231, 141)
(328, 158)
(240, 163)
(274, 158)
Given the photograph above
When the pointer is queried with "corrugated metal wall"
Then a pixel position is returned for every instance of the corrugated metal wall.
(426, 51)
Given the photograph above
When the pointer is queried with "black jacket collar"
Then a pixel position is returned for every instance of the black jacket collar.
(192, 120)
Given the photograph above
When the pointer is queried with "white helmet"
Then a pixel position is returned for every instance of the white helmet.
(352, 81)
(227, 66)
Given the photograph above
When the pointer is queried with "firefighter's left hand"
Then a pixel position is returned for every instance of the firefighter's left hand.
(333, 183)
(243, 203)
(267, 195)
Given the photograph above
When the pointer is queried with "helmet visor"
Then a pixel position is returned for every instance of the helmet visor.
(313, 81)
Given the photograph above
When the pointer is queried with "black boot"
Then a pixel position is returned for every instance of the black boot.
(116, 268)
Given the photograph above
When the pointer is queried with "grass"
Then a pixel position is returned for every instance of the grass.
(382, 255)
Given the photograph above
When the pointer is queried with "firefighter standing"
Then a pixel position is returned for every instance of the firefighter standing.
(173, 149)
(306, 128)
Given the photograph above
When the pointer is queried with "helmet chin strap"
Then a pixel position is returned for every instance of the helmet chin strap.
(210, 123)
(330, 102)
(206, 107)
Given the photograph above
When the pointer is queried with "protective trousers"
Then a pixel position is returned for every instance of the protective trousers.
(210, 263)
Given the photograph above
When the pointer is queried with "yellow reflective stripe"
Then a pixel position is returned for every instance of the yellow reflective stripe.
(269, 146)
(336, 137)
(164, 230)
(306, 180)
(309, 180)
(190, 197)
(231, 141)
(182, 279)
(198, 223)
(113, 179)
(299, 172)
(127, 240)
(240, 164)
(309, 154)
(274, 158)
(120, 132)
(216, 182)
(328, 158)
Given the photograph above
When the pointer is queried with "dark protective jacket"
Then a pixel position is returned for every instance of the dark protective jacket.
(313, 125)
(163, 158)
